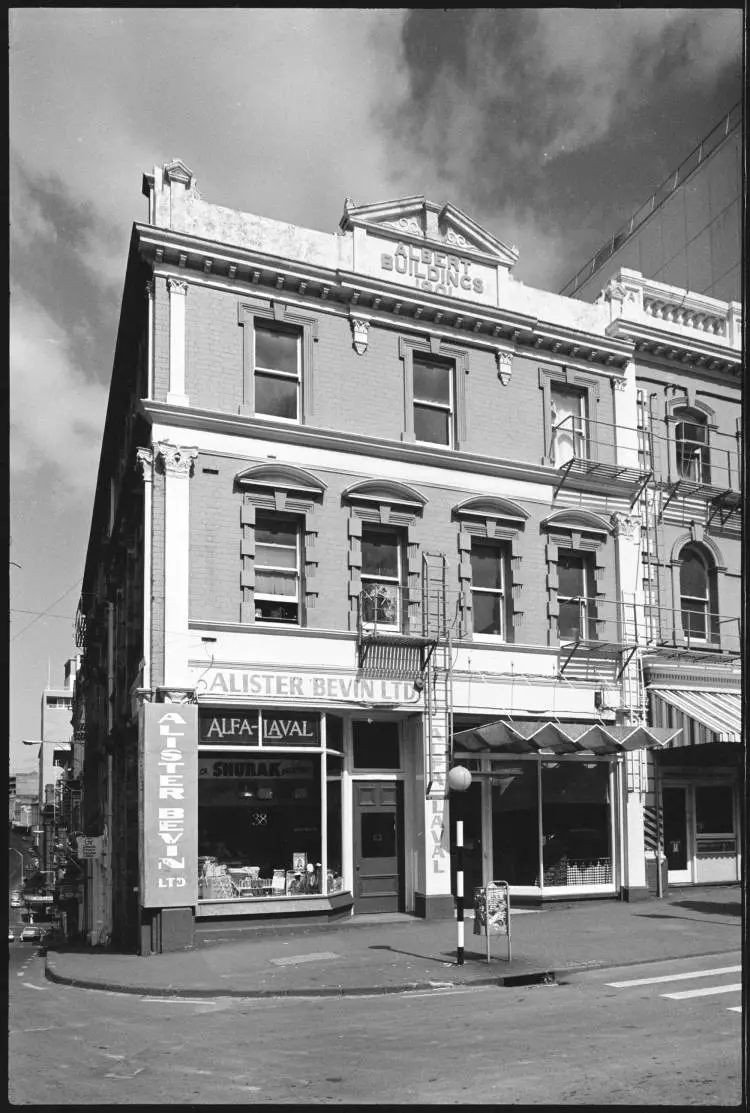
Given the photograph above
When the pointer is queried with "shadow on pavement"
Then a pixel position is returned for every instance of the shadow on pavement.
(712, 908)
(444, 958)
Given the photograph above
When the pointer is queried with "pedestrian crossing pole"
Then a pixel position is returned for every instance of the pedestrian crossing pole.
(460, 890)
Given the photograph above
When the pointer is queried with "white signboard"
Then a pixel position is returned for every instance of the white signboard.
(89, 846)
(310, 687)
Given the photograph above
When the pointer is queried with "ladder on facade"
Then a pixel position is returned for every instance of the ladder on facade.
(438, 677)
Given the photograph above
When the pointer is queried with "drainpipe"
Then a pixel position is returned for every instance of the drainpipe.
(145, 459)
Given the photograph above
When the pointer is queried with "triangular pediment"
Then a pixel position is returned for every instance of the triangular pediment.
(415, 218)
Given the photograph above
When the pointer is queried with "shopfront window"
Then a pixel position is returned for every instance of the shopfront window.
(259, 819)
(575, 823)
(574, 837)
(515, 823)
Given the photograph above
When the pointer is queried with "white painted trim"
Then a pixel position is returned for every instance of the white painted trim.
(177, 299)
(366, 465)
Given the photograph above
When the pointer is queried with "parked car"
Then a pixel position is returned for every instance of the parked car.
(15, 902)
(31, 934)
(11, 937)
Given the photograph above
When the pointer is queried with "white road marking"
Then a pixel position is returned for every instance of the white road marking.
(29, 985)
(677, 977)
(175, 1000)
(734, 1009)
(706, 992)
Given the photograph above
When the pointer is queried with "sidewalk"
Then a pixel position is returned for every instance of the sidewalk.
(400, 953)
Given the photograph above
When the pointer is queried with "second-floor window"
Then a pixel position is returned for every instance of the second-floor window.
(489, 589)
(434, 407)
(277, 372)
(691, 445)
(382, 577)
(576, 595)
(569, 424)
(697, 596)
(277, 569)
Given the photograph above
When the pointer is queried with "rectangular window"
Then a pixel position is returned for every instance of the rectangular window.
(277, 569)
(576, 595)
(569, 424)
(489, 588)
(434, 406)
(277, 372)
(382, 571)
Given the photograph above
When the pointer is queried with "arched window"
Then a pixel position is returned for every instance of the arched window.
(691, 445)
(698, 603)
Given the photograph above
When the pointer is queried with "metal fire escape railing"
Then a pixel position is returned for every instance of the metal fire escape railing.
(405, 633)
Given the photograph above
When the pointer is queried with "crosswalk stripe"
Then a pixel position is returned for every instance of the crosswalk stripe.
(707, 991)
(677, 977)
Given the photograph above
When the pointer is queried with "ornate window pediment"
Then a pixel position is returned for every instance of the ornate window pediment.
(501, 509)
(377, 492)
(275, 477)
(577, 521)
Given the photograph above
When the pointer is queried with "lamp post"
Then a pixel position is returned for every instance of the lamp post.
(20, 855)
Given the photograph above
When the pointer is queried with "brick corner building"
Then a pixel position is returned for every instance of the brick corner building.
(368, 508)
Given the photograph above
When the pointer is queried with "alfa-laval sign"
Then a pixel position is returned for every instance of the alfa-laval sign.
(168, 797)
(285, 686)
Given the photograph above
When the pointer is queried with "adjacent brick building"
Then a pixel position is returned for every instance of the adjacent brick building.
(369, 508)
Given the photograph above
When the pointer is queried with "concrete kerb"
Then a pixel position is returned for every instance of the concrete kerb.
(529, 977)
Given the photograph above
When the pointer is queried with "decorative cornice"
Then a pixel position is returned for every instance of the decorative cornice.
(480, 323)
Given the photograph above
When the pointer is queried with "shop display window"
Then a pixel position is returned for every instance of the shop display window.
(575, 823)
(515, 823)
(259, 818)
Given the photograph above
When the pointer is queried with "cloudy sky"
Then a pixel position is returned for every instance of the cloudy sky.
(548, 126)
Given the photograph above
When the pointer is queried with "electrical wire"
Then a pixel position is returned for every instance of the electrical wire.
(49, 608)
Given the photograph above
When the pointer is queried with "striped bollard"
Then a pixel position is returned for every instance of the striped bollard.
(460, 890)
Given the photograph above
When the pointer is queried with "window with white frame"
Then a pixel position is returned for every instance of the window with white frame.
(382, 576)
(691, 445)
(576, 595)
(277, 371)
(697, 596)
(569, 423)
(490, 595)
(277, 568)
(434, 407)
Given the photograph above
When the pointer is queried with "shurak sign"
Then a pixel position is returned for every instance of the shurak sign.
(168, 805)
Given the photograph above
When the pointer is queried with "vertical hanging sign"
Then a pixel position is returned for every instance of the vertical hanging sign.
(168, 805)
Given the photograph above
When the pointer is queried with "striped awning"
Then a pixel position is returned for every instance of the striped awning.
(547, 737)
(718, 711)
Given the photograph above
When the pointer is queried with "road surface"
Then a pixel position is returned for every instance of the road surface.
(596, 1039)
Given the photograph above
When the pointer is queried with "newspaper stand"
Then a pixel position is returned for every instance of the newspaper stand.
(492, 911)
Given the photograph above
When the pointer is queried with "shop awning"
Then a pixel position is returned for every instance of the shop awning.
(718, 711)
(546, 737)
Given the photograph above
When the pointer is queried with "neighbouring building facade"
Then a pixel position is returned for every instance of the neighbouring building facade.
(688, 233)
(368, 508)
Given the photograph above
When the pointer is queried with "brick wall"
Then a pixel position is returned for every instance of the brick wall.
(215, 563)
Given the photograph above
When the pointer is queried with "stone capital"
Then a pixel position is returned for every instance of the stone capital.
(145, 461)
(624, 525)
(175, 460)
(177, 286)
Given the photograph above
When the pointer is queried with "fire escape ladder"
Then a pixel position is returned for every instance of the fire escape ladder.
(438, 679)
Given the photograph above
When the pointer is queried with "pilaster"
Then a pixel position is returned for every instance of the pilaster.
(177, 464)
(177, 299)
